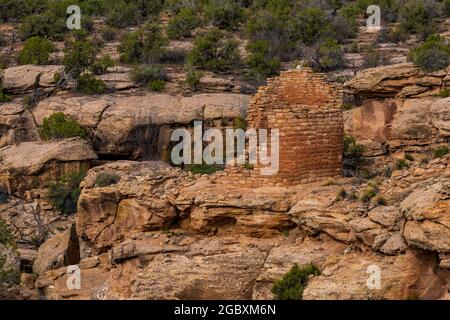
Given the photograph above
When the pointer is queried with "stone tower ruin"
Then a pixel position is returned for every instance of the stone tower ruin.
(307, 111)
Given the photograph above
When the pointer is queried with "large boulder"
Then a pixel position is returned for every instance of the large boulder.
(60, 250)
(138, 200)
(30, 164)
(21, 79)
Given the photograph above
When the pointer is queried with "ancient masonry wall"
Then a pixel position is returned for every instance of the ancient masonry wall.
(307, 111)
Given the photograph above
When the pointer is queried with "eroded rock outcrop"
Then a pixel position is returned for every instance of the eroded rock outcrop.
(60, 250)
(413, 125)
(30, 164)
(16, 124)
(140, 126)
(21, 79)
(401, 80)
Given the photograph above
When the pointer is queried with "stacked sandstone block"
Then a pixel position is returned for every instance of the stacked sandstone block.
(307, 111)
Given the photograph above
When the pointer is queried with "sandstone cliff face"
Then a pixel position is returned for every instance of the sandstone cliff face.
(398, 80)
(140, 126)
(411, 125)
(31, 164)
(159, 233)
(398, 109)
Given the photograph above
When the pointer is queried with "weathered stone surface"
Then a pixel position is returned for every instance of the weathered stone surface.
(281, 258)
(137, 202)
(387, 216)
(392, 124)
(313, 211)
(16, 124)
(398, 79)
(118, 78)
(21, 79)
(440, 116)
(427, 210)
(60, 250)
(256, 211)
(140, 126)
(400, 277)
(394, 245)
(28, 164)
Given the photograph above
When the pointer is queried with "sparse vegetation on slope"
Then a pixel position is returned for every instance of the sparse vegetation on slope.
(292, 284)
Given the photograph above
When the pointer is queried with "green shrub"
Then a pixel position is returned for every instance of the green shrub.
(36, 51)
(409, 157)
(154, 43)
(156, 85)
(143, 75)
(224, 14)
(109, 34)
(372, 57)
(146, 45)
(260, 62)
(351, 147)
(311, 25)
(64, 194)
(17, 9)
(4, 97)
(329, 56)
(182, 24)
(418, 17)
(292, 284)
(58, 126)
(440, 152)
(6, 236)
(248, 166)
(193, 79)
(203, 168)
(432, 55)
(276, 30)
(130, 48)
(100, 66)
(239, 123)
(444, 93)
(175, 56)
(370, 192)
(104, 179)
(446, 7)
(43, 25)
(394, 34)
(401, 164)
(78, 56)
(344, 27)
(213, 52)
(88, 84)
(124, 13)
